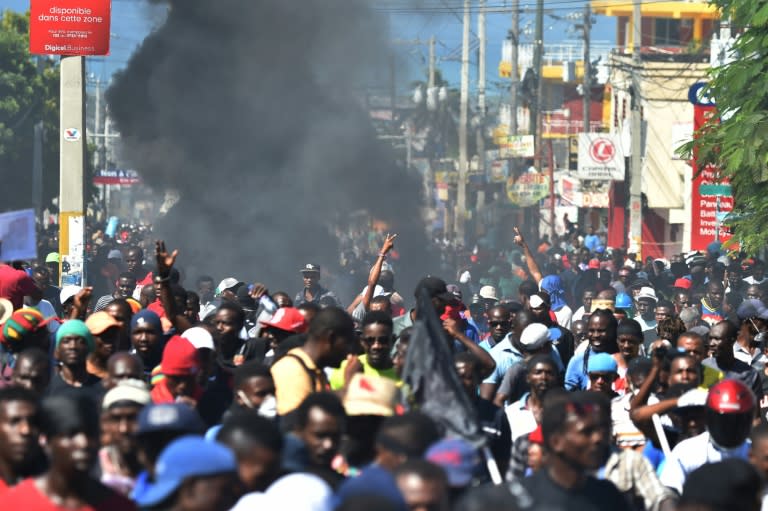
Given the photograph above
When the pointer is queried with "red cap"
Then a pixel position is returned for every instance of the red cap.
(730, 396)
(594, 264)
(288, 319)
(180, 358)
(683, 283)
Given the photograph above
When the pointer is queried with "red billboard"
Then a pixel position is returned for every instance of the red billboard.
(705, 208)
(69, 27)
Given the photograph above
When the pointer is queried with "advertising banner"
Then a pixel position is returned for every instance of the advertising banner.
(18, 238)
(69, 27)
(529, 189)
(600, 157)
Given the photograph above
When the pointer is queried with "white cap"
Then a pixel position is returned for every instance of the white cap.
(647, 292)
(227, 283)
(489, 293)
(132, 390)
(534, 336)
(535, 301)
(199, 337)
(68, 292)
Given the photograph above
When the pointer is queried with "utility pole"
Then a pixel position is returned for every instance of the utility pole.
(98, 158)
(538, 51)
(71, 166)
(461, 193)
(432, 63)
(635, 186)
(514, 74)
(587, 78)
(481, 92)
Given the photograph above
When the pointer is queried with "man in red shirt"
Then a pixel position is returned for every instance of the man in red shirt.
(70, 428)
(16, 284)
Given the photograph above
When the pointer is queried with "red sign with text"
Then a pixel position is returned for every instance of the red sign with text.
(704, 208)
(69, 27)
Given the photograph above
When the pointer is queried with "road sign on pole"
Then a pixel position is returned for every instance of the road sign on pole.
(720, 190)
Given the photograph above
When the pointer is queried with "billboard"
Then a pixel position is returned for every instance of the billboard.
(69, 27)
(600, 157)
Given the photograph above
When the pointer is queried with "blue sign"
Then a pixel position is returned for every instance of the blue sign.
(698, 95)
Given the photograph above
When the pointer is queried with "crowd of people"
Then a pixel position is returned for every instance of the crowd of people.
(594, 381)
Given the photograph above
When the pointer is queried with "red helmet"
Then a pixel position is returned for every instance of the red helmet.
(730, 396)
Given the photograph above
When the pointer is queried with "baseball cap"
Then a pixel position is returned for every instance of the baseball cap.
(199, 337)
(146, 317)
(179, 358)
(228, 283)
(750, 309)
(536, 300)
(458, 458)
(594, 264)
(601, 363)
(647, 292)
(489, 293)
(115, 254)
(52, 257)
(6, 309)
(185, 457)
(371, 395)
(534, 336)
(310, 268)
(133, 391)
(68, 292)
(288, 319)
(435, 288)
(99, 322)
(683, 283)
(169, 417)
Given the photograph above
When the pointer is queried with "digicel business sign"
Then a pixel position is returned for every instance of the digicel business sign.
(67, 27)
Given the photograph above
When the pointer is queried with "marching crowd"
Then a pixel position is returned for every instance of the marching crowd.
(569, 377)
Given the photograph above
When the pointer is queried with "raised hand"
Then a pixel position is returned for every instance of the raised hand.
(518, 239)
(165, 260)
(389, 243)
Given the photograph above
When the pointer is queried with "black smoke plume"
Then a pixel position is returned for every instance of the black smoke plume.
(252, 111)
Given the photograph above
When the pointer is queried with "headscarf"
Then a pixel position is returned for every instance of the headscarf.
(553, 285)
(75, 327)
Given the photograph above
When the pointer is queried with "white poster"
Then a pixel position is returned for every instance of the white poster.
(600, 157)
(18, 237)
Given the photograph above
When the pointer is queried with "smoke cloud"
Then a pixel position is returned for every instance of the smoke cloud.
(252, 111)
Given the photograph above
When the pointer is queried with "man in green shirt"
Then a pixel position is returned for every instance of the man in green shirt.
(377, 341)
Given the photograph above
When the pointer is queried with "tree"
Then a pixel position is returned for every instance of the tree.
(28, 94)
(737, 142)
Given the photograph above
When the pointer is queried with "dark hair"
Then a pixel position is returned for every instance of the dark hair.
(540, 359)
(178, 291)
(236, 309)
(386, 279)
(8, 394)
(251, 369)
(191, 295)
(410, 434)
(405, 334)
(527, 288)
(309, 306)
(468, 358)
(665, 303)
(283, 293)
(126, 275)
(382, 299)
(246, 428)
(326, 401)
(331, 320)
(484, 498)
(69, 412)
(41, 270)
(137, 249)
(379, 317)
(370, 500)
(558, 406)
(423, 469)
(759, 432)
(34, 355)
(204, 278)
(639, 366)
(613, 325)
(675, 355)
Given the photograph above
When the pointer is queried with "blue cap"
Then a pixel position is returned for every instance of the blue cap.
(601, 363)
(458, 458)
(146, 316)
(170, 417)
(185, 457)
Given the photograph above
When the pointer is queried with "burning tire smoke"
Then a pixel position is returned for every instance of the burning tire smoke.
(252, 111)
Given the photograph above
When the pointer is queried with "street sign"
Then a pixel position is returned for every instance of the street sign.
(600, 157)
(723, 190)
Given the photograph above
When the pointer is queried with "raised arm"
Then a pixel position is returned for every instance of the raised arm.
(165, 263)
(375, 273)
(533, 268)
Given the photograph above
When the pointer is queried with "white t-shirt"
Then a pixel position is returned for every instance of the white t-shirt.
(521, 419)
(692, 453)
(564, 317)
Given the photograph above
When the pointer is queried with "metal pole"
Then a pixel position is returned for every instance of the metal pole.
(587, 80)
(37, 169)
(538, 50)
(461, 192)
(515, 72)
(71, 166)
(551, 164)
(635, 187)
(481, 96)
(431, 80)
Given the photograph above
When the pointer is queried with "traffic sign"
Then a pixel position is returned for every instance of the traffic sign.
(723, 190)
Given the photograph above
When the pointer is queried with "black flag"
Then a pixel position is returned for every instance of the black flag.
(434, 385)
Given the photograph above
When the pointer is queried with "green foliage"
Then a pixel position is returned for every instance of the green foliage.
(738, 145)
(29, 93)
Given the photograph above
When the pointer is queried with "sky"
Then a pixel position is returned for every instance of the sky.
(408, 20)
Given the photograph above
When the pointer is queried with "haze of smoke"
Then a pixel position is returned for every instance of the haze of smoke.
(248, 109)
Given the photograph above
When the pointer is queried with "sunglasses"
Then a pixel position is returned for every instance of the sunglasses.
(494, 324)
(603, 376)
(383, 339)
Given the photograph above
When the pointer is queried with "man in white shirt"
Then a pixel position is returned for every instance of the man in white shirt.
(730, 410)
